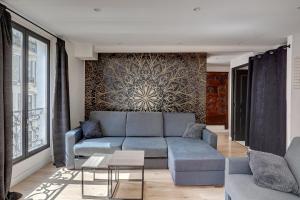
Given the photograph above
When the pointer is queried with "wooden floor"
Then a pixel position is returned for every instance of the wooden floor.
(53, 183)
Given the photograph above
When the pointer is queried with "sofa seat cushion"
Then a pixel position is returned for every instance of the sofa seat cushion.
(98, 145)
(154, 147)
(190, 154)
(242, 187)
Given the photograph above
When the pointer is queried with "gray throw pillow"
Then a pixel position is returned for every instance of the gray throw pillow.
(91, 129)
(272, 171)
(193, 130)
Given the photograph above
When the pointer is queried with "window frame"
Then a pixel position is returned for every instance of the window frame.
(24, 96)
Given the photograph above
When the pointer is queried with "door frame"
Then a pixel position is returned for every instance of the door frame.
(226, 123)
(233, 92)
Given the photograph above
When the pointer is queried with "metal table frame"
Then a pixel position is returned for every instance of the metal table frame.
(116, 170)
(83, 169)
(94, 169)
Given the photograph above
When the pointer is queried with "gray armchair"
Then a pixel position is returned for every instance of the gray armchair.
(239, 184)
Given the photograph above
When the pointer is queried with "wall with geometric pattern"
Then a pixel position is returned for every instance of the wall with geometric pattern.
(167, 82)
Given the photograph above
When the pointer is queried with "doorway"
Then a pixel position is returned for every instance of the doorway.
(217, 98)
(239, 102)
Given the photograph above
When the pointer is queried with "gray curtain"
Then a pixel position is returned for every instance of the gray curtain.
(267, 103)
(6, 131)
(61, 118)
(6, 109)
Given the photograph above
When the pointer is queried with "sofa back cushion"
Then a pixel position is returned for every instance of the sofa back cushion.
(292, 157)
(113, 123)
(144, 124)
(176, 123)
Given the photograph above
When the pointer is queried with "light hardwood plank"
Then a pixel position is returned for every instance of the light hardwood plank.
(63, 184)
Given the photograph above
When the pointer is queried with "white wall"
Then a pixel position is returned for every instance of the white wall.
(76, 86)
(218, 68)
(29, 166)
(293, 88)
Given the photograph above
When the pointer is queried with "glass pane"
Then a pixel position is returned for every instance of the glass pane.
(37, 93)
(17, 68)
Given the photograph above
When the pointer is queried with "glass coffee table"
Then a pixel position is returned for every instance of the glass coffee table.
(113, 164)
(125, 160)
(94, 163)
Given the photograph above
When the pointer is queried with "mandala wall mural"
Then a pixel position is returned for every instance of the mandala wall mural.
(167, 82)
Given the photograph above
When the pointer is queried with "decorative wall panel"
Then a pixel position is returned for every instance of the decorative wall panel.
(168, 82)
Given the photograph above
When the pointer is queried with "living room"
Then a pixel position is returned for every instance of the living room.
(150, 99)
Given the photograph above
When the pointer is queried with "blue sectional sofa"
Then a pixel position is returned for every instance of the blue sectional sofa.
(190, 161)
(240, 184)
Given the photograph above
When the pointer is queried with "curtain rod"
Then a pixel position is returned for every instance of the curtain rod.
(261, 53)
(30, 22)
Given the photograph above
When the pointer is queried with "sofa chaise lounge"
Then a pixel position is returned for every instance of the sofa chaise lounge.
(190, 161)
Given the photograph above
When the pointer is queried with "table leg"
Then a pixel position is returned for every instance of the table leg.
(82, 182)
(111, 183)
(107, 183)
(118, 174)
(94, 175)
(143, 183)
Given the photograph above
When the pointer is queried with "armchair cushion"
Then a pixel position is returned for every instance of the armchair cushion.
(272, 171)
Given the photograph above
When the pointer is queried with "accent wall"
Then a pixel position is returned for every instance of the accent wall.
(164, 82)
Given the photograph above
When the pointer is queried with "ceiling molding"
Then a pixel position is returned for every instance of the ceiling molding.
(178, 48)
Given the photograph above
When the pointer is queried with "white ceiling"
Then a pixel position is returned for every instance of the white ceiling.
(244, 25)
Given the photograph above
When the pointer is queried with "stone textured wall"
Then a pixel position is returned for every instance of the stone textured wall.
(170, 82)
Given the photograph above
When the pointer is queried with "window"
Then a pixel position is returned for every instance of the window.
(31, 71)
(16, 67)
(17, 64)
(30, 62)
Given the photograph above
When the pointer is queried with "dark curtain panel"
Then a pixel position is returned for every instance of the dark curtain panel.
(6, 109)
(61, 118)
(6, 131)
(267, 121)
